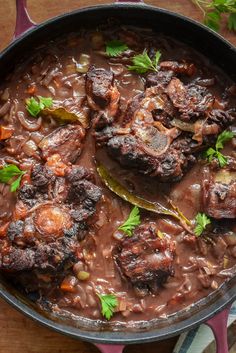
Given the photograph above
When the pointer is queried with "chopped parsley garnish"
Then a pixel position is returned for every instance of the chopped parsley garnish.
(143, 63)
(225, 136)
(213, 11)
(34, 106)
(211, 153)
(11, 174)
(109, 304)
(201, 221)
(132, 222)
(212, 20)
(232, 22)
(115, 47)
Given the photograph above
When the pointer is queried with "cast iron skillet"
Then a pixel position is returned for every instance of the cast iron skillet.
(221, 53)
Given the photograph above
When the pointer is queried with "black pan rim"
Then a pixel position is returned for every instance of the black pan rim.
(112, 337)
(124, 5)
(122, 338)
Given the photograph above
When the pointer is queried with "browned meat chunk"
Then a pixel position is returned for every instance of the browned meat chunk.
(148, 146)
(183, 68)
(191, 101)
(159, 78)
(99, 83)
(221, 118)
(65, 140)
(102, 96)
(144, 259)
(163, 128)
(44, 257)
(150, 158)
(219, 191)
(168, 69)
(51, 214)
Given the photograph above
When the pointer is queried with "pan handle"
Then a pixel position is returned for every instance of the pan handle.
(108, 348)
(218, 324)
(23, 20)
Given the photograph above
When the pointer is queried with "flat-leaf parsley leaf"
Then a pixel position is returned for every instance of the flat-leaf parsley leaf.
(115, 47)
(109, 304)
(132, 221)
(9, 173)
(202, 221)
(213, 11)
(211, 153)
(34, 106)
(224, 137)
(143, 63)
(232, 22)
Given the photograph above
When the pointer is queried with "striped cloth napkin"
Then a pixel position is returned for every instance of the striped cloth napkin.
(197, 340)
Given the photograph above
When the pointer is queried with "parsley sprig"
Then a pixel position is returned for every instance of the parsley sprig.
(211, 153)
(115, 47)
(143, 63)
(213, 11)
(201, 221)
(132, 222)
(11, 174)
(232, 22)
(34, 106)
(109, 304)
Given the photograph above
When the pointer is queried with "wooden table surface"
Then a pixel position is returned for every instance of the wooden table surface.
(19, 334)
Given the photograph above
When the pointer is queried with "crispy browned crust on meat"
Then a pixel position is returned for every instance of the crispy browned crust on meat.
(99, 83)
(144, 259)
(219, 190)
(164, 128)
(102, 96)
(65, 141)
(52, 214)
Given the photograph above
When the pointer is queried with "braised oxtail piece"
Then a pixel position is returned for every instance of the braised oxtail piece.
(102, 95)
(219, 190)
(145, 260)
(162, 130)
(52, 215)
(65, 140)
